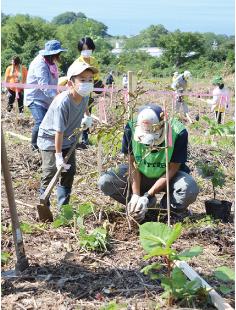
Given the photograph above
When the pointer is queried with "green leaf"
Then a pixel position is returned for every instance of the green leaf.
(5, 256)
(225, 289)
(194, 251)
(26, 228)
(67, 212)
(58, 222)
(176, 232)
(153, 235)
(178, 277)
(158, 252)
(148, 268)
(225, 274)
(85, 209)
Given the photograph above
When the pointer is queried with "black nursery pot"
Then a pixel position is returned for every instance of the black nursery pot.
(218, 209)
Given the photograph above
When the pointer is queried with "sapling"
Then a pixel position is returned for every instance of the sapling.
(157, 240)
(212, 171)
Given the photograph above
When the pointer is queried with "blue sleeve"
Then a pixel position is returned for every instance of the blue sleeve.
(127, 141)
(180, 148)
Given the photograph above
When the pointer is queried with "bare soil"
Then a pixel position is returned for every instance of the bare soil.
(60, 276)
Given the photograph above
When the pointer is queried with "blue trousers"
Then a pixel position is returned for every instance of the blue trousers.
(38, 113)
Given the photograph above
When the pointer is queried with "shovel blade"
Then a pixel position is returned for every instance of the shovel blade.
(45, 215)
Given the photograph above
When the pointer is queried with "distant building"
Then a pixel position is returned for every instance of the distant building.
(153, 51)
(214, 45)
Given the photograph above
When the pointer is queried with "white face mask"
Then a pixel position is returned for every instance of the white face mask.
(86, 53)
(84, 89)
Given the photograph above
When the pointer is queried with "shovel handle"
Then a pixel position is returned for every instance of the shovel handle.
(53, 182)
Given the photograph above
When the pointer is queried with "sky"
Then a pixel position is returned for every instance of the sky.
(129, 17)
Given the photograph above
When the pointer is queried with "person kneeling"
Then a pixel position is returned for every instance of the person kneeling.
(143, 142)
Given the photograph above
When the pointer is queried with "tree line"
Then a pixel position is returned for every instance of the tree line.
(201, 53)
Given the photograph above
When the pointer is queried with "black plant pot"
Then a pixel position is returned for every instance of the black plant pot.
(218, 209)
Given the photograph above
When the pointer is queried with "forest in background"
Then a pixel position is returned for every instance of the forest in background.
(25, 35)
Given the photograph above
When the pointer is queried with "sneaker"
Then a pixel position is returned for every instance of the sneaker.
(34, 148)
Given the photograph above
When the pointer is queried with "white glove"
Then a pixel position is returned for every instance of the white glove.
(141, 208)
(60, 162)
(86, 122)
(132, 203)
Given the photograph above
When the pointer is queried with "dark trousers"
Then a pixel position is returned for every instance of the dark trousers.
(218, 117)
(11, 99)
(49, 169)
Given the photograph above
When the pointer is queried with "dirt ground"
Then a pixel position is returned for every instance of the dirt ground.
(60, 276)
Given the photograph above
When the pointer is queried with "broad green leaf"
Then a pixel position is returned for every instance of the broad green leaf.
(85, 209)
(153, 235)
(148, 268)
(225, 274)
(158, 252)
(174, 235)
(194, 251)
(178, 277)
(58, 222)
(67, 212)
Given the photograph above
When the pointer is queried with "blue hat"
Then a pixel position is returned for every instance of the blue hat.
(52, 47)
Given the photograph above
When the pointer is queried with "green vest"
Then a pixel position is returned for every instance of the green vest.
(153, 164)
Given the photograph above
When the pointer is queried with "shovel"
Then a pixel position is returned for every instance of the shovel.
(45, 214)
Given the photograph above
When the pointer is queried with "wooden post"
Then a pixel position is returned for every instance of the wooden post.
(111, 94)
(130, 83)
(21, 260)
(130, 91)
(167, 164)
(129, 115)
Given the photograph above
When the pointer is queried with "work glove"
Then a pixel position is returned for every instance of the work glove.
(86, 122)
(132, 204)
(141, 208)
(60, 162)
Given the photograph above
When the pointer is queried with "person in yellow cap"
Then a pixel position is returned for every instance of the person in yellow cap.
(221, 98)
(55, 137)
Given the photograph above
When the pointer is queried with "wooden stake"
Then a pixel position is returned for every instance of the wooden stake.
(21, 260)
(167, 164)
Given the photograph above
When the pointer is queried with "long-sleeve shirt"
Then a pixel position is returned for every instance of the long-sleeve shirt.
(39, 73)
(221, 99)
(180, 84)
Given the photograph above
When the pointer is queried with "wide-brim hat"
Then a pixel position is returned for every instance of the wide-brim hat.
(78, 67)
(52, 47)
